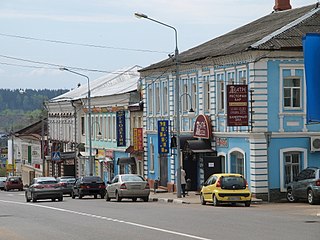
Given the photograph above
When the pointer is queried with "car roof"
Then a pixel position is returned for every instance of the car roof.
(227, 174)
(46, 178)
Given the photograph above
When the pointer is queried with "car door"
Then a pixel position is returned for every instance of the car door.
(76, 187)
(301, 183)
(207, 188)
(30, 188)
(113, 186)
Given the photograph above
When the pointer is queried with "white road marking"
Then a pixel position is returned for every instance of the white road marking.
(110, 219)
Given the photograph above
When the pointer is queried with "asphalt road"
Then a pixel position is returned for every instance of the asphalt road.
(91, 219)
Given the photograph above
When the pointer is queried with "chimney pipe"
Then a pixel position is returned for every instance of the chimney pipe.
(281, 5)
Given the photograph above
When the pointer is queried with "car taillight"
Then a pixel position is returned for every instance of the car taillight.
(39, 186)
(63, 184)
(147, 186)
(246, 183)
(123, 186)
(83, 186)
(218, 184)
(102, 186)
(318, 183)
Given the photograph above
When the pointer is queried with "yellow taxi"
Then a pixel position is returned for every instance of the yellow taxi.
(225, 188)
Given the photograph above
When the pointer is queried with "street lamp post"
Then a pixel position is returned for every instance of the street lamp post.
(177, 107)
(91, 162)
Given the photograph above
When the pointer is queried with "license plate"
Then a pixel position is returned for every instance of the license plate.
(234, 198)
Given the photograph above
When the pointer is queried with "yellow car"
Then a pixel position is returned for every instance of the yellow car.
(225, 188)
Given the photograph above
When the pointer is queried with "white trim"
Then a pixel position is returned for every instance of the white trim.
(236, 149)
(282, 151)
(284, 28)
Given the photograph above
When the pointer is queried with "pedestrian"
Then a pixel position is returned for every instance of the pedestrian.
(183, 182)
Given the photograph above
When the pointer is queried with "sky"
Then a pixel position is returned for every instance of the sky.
(96, 37)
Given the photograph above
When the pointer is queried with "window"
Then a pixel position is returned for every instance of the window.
(151, 156)
(237, 163)
(292, 166)
(150, 100)
(221, 93)
(157, 99)
(165, 99)
(291, 92)
(82, 126)
(206, 94)
(193, 96)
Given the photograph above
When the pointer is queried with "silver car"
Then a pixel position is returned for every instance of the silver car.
(44, 188)
(2, 182)
(130, 186)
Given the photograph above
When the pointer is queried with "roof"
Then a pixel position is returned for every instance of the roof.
(276, 31)
(33, 129)
(118, 82)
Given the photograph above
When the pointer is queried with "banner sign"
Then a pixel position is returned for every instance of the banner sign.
(137, 139)
(311, 50)
(163, 136)
(237, 105)
(121, 129)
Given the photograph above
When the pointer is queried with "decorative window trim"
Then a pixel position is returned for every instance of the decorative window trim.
(281, 162)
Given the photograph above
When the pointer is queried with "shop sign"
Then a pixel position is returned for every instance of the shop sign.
(137, 139)
(202, 127)
(221, 142)
(237, 106)
(163, 136)
(121, 129)
(109, 153)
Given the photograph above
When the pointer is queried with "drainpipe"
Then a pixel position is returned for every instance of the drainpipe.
(75, 137)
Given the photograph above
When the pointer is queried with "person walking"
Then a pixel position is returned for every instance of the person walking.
(183, 182)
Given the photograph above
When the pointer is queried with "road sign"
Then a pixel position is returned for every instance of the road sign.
(56, 156)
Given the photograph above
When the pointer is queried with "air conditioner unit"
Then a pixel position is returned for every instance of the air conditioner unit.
(315, 144)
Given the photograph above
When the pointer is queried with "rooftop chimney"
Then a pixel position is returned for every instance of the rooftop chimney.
(281, 5)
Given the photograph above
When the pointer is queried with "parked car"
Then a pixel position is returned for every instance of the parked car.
(131, 186)
(44, 188)
(225, 188)
(13, 182)
(66, 184)
(2, 182)
(306, 185)
(89, 186)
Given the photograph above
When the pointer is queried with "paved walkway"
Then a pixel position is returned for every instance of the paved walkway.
(191, 198)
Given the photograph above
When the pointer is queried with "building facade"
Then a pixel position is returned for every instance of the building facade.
(250, 84)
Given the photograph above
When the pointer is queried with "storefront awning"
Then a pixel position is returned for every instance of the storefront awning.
(198, 146)
(126, 160)
(85, 154)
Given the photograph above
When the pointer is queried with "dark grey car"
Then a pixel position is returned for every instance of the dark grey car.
(305, 186)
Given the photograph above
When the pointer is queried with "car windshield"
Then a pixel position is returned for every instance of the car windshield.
(233, 182)
(47, 182)
(68, 180)
(132, 178)
(91, 179)
(3, 178)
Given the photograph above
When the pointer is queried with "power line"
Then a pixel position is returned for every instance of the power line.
(82, 44)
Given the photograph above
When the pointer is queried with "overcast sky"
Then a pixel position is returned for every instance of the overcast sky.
(100, 36)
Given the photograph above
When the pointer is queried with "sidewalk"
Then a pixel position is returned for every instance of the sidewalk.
(191, 198)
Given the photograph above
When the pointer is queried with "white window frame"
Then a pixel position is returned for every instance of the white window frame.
(304, 153)
(292, 88)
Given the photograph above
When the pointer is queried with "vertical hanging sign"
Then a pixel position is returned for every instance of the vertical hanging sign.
(137, 139)
(237, 108)
(163, 136)
(121, 129)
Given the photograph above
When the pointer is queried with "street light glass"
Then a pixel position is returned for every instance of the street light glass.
(140, 15)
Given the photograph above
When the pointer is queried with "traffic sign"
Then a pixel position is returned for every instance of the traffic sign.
(56, 156)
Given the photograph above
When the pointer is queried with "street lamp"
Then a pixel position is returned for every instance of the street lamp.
(91, 163)
(177, 107)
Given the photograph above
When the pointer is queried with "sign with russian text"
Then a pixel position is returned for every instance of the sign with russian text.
(237, 105)
(163, 136)
(137, 139)
(121, 129)
(202, 127)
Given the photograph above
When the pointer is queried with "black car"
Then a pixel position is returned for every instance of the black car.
(305, 186)
(89, 186)
(66, 184)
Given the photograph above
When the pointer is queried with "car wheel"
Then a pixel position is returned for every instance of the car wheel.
(203, 202)
(34, 199)
(146, 199)
(60, 199)
(247, 204)
(118, 198)
(311, 199)
(53, 199)
(107, 197)
(134, 199)
(27, 199)
(80, 196)
(95, 196)
(290, 196)
(215, 201)
(72, 195)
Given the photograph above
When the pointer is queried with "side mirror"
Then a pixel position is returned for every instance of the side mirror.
(108, 182)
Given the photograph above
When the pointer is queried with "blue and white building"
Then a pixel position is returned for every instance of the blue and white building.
(264, 56)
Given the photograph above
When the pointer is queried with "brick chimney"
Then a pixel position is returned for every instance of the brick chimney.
(281, 5)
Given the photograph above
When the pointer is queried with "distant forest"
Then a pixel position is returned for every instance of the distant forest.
(22, 107)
